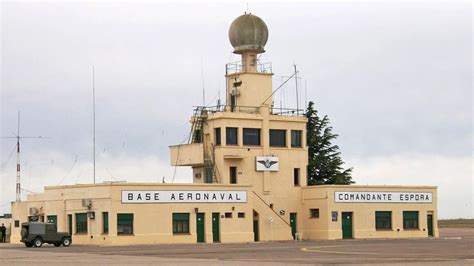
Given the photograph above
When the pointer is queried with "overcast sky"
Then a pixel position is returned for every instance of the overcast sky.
(395, 79)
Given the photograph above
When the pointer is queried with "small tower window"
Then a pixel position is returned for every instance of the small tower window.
(231, 136)
(277, 138)
(251, 136)
(296, 138)
(217, 136)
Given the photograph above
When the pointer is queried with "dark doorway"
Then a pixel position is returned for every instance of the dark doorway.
(215, 227)
(293, 224)
(200, 227)
(256, 236)
(430, 224)
(233, 175)
(346, 225)
(69, 224)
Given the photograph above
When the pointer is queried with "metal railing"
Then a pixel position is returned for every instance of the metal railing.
(236, 67)
(204, 110)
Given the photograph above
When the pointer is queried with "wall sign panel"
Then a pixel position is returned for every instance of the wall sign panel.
(183, 196)
(383, 197)
(267, 163)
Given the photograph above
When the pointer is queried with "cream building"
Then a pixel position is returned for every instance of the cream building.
(249, 180)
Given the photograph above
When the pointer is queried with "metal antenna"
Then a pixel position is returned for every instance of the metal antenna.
(305, 94)
(18, 137)
(203, 90)
(296, 83)
(93, 114)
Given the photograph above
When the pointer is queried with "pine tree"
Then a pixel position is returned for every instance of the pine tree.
(324, 158)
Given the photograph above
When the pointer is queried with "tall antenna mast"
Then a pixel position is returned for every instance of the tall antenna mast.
(296, 83)
(18, 137)
(93, 114)
(203, 90)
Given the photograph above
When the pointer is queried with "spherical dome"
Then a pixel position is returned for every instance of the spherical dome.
(248, 33)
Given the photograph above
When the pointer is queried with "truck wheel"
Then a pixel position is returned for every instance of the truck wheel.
(66, 241)
(57, 244)
(28, 244)
(38, 242)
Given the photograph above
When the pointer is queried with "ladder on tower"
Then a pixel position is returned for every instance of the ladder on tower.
(199, 117)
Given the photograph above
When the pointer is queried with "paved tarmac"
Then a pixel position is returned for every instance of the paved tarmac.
(454, 247)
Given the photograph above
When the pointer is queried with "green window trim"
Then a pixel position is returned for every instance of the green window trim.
(81, 223)
(410, 220)
(105, 222)
(124, 223)
(383, 220)
(180, 223)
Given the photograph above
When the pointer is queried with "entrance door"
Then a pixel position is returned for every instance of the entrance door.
(430, 224)
(293, 224)
(346, 225)
(200, 227)
(215, 227)
(69, 224)
(256, 237)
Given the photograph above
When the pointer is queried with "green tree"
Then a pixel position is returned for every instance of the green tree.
(325, 165)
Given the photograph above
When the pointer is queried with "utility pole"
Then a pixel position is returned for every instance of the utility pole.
(18, 137)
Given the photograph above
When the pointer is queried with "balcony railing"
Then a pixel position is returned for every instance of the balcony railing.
(236, 67)
(248, 109)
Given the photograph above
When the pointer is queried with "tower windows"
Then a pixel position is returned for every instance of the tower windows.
(296, 138)
(217, 136)
(277, 138)
(251, 136)
(231, 135)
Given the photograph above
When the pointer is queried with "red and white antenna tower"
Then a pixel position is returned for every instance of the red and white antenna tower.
(18, 137)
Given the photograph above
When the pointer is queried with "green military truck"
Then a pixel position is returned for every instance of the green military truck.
(34, 234)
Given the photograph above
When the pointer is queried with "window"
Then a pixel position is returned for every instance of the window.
(251, 136)
(296, 138)
(277, 138)
(231, 136)
(410, 220)
(228, 215)
(180, 223)
(241, 215)
(17, 223)
(313, 213)
(52, 219)
(105, 223)
(81, 223)
(124, 223)
(217, 136)
(233, 175)
(296, 176)
(383, 220)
